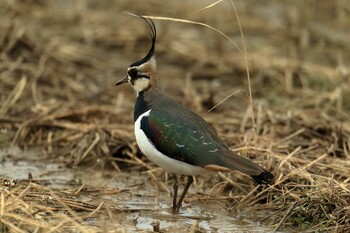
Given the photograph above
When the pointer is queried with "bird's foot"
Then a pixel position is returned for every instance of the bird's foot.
(176, 209)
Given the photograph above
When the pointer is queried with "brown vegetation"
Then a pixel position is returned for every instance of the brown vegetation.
(59, 62)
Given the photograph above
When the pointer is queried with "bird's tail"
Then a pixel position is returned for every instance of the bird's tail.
(265, 177)
(236, 162)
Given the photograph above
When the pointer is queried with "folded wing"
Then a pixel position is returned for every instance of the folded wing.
(183, 135)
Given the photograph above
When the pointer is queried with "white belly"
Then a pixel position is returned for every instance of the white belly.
(169, 164)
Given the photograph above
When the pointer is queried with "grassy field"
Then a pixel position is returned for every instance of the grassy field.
(59, 61)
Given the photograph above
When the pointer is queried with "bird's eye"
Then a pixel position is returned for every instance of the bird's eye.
(132, 73)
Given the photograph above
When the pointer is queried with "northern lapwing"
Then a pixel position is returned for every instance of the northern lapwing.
(174, 137)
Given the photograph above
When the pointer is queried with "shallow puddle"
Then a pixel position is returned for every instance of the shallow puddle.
(135, 201)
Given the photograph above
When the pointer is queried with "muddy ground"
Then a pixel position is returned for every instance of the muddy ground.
(69, 161)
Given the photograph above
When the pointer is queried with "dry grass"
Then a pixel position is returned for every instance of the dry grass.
(31, 207)
(59, 63)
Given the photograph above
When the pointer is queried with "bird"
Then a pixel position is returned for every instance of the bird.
(174, 137)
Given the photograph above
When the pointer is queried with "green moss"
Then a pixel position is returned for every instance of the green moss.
(307, 215)
(300, 217)
(323, 84)
(3, 228)
(346, 99)
(4, 138)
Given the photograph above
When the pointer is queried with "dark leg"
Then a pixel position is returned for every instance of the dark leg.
(175, 187)
(179, 203)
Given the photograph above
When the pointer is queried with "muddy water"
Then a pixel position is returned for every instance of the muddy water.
(136, 202)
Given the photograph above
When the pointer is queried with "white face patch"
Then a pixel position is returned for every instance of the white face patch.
(141, 84)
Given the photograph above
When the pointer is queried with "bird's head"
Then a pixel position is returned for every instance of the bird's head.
(143, 73)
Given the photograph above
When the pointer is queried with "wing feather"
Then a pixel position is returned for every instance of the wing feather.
(181, 137)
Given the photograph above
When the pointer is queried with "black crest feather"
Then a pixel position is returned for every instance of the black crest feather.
(153, 33)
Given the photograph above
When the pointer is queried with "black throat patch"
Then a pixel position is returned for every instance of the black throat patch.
(141, 105)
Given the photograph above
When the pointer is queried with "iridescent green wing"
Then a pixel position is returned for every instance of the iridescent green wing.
(182, 135)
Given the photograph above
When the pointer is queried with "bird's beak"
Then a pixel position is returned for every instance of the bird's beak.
(123, 80)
